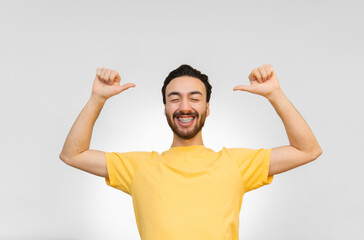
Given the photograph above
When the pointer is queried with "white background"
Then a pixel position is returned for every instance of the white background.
(49, 53)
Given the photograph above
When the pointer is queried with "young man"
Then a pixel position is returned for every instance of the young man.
(190, 191)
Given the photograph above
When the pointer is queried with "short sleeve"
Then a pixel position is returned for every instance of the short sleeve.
(122, 168)
(253, 166)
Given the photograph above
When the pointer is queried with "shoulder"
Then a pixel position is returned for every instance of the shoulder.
(236, 151)
(132, 156)
(243, 154)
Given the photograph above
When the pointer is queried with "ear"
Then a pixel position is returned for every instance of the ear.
(207, 109)
(165, 110)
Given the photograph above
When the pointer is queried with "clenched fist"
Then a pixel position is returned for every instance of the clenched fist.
(263, 81)
(107, 83)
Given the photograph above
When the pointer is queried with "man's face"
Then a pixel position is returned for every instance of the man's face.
(186, 108)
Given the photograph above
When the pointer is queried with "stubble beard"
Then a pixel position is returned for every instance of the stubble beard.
(184, 133)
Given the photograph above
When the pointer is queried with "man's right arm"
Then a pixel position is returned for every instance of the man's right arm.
(76, 152)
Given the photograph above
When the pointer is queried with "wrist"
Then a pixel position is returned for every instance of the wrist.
(97, 99)
(274, 95)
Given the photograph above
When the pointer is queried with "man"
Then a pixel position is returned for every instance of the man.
(190, 191)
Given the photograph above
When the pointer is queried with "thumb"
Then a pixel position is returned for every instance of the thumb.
(125, 87)
(243, 88)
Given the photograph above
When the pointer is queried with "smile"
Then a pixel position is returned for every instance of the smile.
(186, 121)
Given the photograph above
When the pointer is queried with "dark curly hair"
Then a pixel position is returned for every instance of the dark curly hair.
(186, 70)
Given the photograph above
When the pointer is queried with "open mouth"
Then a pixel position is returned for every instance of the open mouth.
(186, 120)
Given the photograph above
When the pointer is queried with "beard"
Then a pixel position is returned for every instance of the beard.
(183, 132)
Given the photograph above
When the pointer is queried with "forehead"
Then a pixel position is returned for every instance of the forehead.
(186, 84)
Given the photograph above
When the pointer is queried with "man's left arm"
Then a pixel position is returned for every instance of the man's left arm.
(303, 147)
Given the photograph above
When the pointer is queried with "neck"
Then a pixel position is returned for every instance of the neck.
(181, 142)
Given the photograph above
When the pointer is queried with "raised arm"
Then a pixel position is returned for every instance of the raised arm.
(303, 147)
(76, 152)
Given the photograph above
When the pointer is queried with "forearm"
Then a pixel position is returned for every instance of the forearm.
(299, 133)
(79, 137)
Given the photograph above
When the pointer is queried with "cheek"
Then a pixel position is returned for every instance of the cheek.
(200, 108)
(168, 111)
(171, 107)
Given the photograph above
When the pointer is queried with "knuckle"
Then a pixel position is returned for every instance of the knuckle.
(269, 67)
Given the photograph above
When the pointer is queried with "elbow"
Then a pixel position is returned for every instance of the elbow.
(317, 153)
(63, 157)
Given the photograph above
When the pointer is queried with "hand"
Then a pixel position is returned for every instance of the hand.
(263, 81)
(107, 84)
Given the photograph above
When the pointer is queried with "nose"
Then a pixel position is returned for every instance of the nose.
(185, 105)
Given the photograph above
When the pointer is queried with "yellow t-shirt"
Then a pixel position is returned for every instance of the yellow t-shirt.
(188, 193)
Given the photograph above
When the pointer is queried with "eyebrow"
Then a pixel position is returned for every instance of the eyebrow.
(179, 94)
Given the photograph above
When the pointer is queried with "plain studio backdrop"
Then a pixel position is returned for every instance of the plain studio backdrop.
(49, 54)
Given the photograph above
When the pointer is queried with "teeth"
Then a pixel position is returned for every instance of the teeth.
(185, 120)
